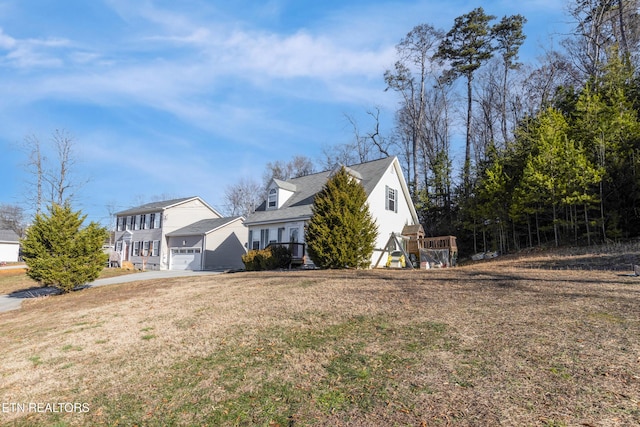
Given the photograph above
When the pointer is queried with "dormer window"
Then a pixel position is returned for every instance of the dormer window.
(272, 201)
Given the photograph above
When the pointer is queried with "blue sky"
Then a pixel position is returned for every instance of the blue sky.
(184, 98)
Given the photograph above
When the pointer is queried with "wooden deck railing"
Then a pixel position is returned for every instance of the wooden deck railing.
(441, 242)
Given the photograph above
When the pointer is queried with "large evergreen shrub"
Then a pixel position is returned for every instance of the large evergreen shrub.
(58, 252)
(341, 232)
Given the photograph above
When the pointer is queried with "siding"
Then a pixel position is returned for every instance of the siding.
(9, 251)
(179, 216)
(389, 221)
(225, 247)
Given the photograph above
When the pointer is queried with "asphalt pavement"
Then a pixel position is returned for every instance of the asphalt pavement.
(14, 300)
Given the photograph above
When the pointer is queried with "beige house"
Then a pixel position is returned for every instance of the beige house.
(146, 236)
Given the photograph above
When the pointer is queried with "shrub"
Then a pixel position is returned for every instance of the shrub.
(59, 253)
(267, 259)
(281, 256)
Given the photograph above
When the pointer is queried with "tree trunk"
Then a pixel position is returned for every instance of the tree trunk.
(555, 225)
(467, 153)
(586, 222)
(504, 106)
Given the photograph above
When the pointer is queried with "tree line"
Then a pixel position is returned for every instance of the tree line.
(551, 151)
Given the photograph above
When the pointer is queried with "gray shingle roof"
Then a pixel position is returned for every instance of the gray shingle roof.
(203, 226)
(9, 236)
(154, 206)
(298, 206)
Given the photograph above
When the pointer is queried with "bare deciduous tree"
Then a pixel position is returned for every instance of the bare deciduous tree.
(294, 168)
(12, 217)
(338, 154)
(243, 197)
(409, 79)
(35, 168)
(59, 177)
(601, 24)
(53, 179)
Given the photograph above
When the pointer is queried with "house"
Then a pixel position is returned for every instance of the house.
(9, 246)
(183, 233)
(288, 208)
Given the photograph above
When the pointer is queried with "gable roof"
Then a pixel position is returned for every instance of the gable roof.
(9, 236)
(298, 206)
(162, 205)
(204, 226)
(284, 184)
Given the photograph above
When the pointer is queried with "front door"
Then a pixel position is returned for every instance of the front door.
(293, 235)
(125, 254)
(296, 250)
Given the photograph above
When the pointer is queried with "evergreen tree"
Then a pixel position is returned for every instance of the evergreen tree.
(557, 173)
(58, 252)
(467, 46)
(607, 124)
(341, 232)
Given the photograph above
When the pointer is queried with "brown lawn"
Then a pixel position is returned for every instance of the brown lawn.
(516, 342)
(14, 279)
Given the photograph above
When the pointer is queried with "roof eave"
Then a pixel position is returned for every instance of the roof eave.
(278, 220)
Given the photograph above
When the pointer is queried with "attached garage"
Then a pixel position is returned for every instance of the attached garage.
(186, 259)
(211, 244)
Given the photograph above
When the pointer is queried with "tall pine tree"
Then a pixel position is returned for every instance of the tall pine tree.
(341, 232)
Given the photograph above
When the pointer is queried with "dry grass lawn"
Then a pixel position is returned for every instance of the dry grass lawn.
(514, 342)
(14, 279)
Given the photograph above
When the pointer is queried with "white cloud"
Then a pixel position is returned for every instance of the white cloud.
(6, 42)
(32, 52)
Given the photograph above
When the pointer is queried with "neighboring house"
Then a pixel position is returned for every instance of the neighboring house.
(220, 242)
(9, 246)
(142, 235)
(283, 216)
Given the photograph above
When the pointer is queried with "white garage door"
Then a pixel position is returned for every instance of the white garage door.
(185, 259)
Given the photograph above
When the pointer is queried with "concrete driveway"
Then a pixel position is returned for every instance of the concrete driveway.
(14, 300)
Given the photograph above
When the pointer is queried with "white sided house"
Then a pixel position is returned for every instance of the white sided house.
(9, 246)
(143, 236)
(283, 216)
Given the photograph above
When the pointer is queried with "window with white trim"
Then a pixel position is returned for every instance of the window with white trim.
(391, 199)
(145, 248)
(155, 248)
(136, 248)
(272, 201)
(119, 246)
(157, 220)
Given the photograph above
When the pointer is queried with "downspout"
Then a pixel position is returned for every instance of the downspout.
(202, 254)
